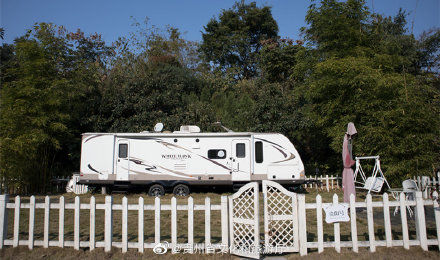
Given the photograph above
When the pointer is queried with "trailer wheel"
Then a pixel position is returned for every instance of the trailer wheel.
(181, 190)
(156, 190)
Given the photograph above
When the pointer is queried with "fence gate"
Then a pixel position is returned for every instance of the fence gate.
(280, 219)
(243, 215)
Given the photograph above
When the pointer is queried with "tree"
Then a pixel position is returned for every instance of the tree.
(277, 59)
(151, 83)
(45, 105)
(232, 41)
(33, 115)
(337, 28)
(373, 80)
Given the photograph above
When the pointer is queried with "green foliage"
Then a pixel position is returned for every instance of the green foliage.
(337, 28)
(354, 66)
(277, 59)
(376, 80)
(44, 104)
(232, 41)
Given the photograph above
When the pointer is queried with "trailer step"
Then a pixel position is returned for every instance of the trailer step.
(121, 186)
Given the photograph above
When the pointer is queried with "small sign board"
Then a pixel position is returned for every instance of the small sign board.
(336, 213)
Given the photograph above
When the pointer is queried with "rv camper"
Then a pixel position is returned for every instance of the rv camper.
(158, 162)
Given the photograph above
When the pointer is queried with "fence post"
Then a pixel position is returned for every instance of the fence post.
(224, 220)
(173, 224)
(16, 221)
(370, 224)
(46, 221)
(437, 217)
(61, 223)
(302, 224)
(333, 179)
(420, 221)
(326, 183)
(321, 180)
(3, 218)
(31, 222)
(207, 222)
(157, 220)
(405, 235)
(354, 237)
(191, 223)
(92, 223)
(108, 234)
(141, 225)
(319, 223)
(336, 227)
(387, 221)
(425, 183)
(76, 224)
(124, 224)
(428, 188)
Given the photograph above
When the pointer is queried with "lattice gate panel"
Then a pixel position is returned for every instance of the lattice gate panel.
(243, 216)
(280, 219)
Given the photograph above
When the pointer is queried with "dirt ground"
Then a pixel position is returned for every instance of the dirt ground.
(69, 253)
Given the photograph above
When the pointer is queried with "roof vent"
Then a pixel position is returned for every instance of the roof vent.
(188, 129)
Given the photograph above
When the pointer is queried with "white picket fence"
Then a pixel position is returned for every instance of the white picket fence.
(75, 187)
(372, 241)
(140, 208)
(427, 185)
(326, 182)
(109, 207)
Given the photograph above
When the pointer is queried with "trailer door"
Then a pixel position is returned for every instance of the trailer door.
(241, 160)
(122, 160)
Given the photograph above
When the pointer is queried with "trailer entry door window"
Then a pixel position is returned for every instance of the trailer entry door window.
(123, 150)
(216, 154)
(240, 150)
(258, 152)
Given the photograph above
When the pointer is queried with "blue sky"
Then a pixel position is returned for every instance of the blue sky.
(112, 18)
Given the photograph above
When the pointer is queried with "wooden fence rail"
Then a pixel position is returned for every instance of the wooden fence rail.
(371, 240)
(426, 184)
(109, 207)
(326, 182)
(420, 219)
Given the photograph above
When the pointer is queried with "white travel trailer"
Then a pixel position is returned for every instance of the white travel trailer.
(177, 161)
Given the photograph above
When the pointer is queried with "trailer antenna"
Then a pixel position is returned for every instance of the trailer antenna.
(218, 123)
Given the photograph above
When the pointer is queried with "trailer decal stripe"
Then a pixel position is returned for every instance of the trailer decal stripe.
(180, 174)
(281, 151)
(270, 142)
(177, 146)
(292, 156)
(91, 168)
(91, 137)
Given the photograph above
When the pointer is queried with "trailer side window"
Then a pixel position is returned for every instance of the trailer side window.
(259, 152)
(240, 150)
(123, 150)
(216, 154)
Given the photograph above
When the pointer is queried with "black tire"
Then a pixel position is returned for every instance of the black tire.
(181, 190)
(156, 190)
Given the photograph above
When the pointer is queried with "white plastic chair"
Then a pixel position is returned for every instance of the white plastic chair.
(374, 184)
(409, 187)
